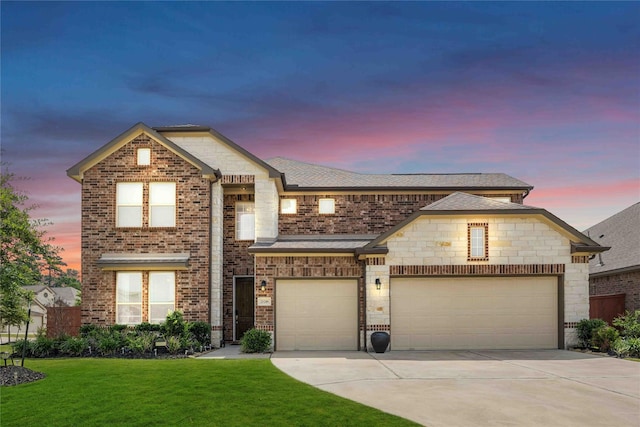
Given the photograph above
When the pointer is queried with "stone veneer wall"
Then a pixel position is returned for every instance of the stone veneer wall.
(356, 213)
(236, 259)
(100, 235)
(623, 283)
(516, 246)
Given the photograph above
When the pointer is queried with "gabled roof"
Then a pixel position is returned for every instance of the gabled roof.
(459, 203)
(622, 232)
(273, 173)
(77, 171)
(307, 176)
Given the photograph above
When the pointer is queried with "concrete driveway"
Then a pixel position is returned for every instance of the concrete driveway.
(479, 388)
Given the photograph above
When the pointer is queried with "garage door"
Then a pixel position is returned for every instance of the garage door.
(474, 313)
(316, 315)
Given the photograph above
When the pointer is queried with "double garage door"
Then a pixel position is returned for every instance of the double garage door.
(426, 313)
(474, 313)
(317, 314)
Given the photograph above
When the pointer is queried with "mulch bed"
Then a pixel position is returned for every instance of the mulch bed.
(14, 375)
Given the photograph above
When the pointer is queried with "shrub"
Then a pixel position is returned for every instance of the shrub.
(22, 346)
(108, 344)
(201, 332)
(73, 346)
(628, 324)
(634, 346)
(604, 337)
(173, 344)
(621, 347)
(255, 341)
(42, 346)
(175, 324)
(585, 329)
(142, 342)
(90, 329)
(147, 327)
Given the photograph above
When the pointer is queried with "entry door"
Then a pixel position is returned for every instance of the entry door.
(243, 306)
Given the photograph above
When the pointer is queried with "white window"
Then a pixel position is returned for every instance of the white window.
(327, 206)
(288, 206)
(478, 242)
(144, 156)
(129, 204)
(128, 298)
(245, 221)
(162, 295)
(162, 204)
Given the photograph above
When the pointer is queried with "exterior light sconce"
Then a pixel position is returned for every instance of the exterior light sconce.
(263, 285)
(378, 283)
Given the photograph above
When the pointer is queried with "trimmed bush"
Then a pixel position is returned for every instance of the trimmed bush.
(73, 346)
(201, 332)
(604, 337)
(585, 329)
(174, 325)
(255, 341)
(628, 324)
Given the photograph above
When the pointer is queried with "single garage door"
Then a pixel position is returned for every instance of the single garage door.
(474, 313)
(316, 315)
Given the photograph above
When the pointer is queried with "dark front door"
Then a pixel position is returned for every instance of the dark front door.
(244, 308)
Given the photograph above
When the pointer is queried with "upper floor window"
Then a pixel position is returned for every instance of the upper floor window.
(129, 204)
(162, 204)
(327, 206)
(288, 206)
(162, 295)
(128, 298)
(245, 221)
(478, 242)
(144, 156)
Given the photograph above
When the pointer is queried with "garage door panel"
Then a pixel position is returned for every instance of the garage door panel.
(316, 314)
(468, 313)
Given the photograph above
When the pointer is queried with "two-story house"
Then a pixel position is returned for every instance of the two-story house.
(182, 218)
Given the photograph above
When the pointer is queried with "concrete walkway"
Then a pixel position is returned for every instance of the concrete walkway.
(479, 388)
(232, 352)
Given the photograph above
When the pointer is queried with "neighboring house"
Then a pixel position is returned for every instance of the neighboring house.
(182, 218)
(618, 270)
(43, 296)
(66, 295)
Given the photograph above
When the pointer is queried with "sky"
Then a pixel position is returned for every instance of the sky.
(547, 92)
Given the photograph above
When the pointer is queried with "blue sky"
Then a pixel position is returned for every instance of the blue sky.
(546, 92)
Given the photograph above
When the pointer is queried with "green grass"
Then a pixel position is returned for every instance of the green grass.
(120, 392)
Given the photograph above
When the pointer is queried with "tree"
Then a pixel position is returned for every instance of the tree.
(68, 278)
(25, 252)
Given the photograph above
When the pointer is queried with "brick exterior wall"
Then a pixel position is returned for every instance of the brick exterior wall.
(236, 259)
(623, 283)
(272, 268)
(100, 235)
(356, 214)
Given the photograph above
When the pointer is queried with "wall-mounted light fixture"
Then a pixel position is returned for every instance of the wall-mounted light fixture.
(378, 283)
(263, 285)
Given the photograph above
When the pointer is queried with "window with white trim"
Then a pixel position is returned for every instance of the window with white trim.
(128, 297)
(162, 295)
(143, 157)
(245, 221)
(129, 204)
(288, 206)
(478, 242)
(326, 206)
(162, 204)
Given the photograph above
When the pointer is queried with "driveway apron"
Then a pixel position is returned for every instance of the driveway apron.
(479, 388)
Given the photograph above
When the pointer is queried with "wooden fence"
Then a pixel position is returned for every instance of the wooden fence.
(63, 320)
(606, 307)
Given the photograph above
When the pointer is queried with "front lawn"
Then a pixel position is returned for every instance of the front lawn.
(122, 392)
